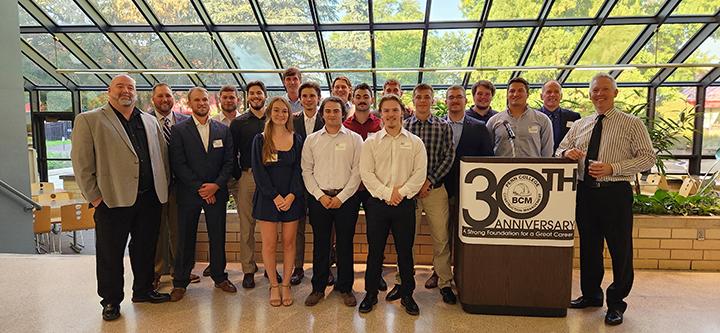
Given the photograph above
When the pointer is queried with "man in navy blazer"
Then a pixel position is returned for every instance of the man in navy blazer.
(562, 119)
(201, 155)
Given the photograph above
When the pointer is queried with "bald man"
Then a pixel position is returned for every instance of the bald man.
(127, 147)
(562, 119)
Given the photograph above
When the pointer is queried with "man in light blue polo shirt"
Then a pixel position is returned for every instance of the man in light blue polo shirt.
(530, 130)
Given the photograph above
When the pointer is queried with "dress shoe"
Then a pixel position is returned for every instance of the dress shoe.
(394, 294)
(349, 298)
(331, 278)
(206, 271)
(614, 317)
(226, 286)
(367, 303)
(314, 298)
(111, 312)
(151, 297)
(383, 285)
(248, 281)
(432, 282)
(297, 276)
(410, 306)
(177, 294)
(194, 278)
(584, 302)
(279, 277)
(448, 295)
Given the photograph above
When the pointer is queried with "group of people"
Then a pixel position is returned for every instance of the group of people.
(297, 159)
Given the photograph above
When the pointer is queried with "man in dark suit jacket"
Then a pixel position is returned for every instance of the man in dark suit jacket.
(201, 155)
(562, 119)
(305, 123)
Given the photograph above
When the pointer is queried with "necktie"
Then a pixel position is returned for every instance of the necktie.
(593, 146)
(166, 129)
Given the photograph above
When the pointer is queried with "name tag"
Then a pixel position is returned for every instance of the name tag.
(217, 143)
(405, 145)
(340, 146)
(569, 124)
(534, 129)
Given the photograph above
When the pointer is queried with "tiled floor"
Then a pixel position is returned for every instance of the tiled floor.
(51, 293)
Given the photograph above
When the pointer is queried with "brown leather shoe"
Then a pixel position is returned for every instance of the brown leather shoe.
(194, 278)
(432, 282)
(349, 299)
(226, 286)
(314, 298)
(177, 294)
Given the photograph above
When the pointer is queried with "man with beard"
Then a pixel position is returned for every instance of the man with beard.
(163, 102)
(292, 77)
(482, 92)
(562, 119)
(520, 131)
(201, 154)
(126, 146)
(243, 129)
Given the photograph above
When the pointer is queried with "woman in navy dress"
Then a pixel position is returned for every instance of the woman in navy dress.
(278, 200)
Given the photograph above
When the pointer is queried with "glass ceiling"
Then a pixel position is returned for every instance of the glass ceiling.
(389, 34)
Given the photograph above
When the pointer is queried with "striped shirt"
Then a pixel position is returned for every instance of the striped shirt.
(624, 143)
(438, 139)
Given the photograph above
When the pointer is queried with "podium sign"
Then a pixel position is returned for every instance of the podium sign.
(517, 203)
(516, 224)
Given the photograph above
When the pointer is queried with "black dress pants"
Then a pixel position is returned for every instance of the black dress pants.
(605, 213)
(188, 216)
(322, 221)
(381, 219)
(141, 222)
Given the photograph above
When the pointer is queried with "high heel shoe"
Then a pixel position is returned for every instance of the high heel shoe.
(286, 294)
(277, 301)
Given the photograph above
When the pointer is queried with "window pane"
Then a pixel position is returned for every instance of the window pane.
(351, 11)
(300, 49)
(499, 48)
(119, 12)
(90, 100)
(36, 75)
(60, 57)
(553, 47)
(64, 12)
(398, 49)
(28, 118)
(152, 52)
(25, 19)
(230, 11)
(57, 141)
(636, 8)
(285, 11)
(607, 47)
(711, 121)
(697, 7)
(708, 52)
(251, 52)
(174, 12)
(399, 10)
(349, 49)
(659, 49)
(448, 48)
(100, 49)
(670, 102)
(456, 10)
(201, 52)
(514, 10)
(55, 101)
(574, 8)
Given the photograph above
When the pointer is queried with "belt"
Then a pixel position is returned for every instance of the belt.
(596, 184)
(332, 193)
(434, 186)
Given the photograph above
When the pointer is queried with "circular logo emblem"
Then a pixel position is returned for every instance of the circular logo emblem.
(522, 193)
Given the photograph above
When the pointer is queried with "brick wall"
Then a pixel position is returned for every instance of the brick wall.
(660, 242)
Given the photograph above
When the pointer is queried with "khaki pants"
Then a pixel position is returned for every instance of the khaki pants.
(167, 242)
(435, 206)
(243, 194)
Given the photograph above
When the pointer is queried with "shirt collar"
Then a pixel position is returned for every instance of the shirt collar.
(461, 121)
(135, 112)
(608, 113)
(343, 130)
(198, 124)
(382, 133)
(414, 119)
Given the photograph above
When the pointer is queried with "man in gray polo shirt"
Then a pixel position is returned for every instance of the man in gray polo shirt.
(520, 131)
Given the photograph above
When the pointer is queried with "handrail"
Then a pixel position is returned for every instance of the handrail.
(21, 196)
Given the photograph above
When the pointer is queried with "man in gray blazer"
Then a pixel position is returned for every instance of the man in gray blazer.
(120, 160)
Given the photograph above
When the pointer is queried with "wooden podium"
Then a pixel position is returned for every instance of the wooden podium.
(513, 252)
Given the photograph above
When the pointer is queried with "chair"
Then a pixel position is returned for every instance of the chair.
(57, 196)
(42, 226)
(74, 218)
(42, 187)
